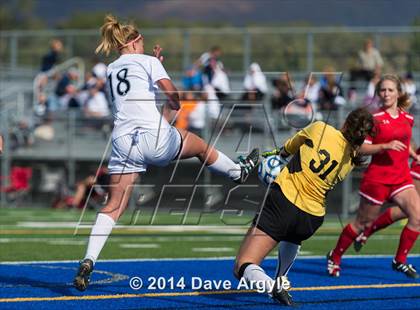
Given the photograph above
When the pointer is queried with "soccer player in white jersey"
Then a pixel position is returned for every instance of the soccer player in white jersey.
(141, 136)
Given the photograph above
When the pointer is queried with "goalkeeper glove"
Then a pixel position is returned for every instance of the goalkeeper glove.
(276, 151)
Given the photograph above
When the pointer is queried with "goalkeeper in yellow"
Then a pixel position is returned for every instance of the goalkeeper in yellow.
(294, 207)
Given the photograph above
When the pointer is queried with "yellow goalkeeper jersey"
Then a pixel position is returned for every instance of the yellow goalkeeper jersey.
(321, 159)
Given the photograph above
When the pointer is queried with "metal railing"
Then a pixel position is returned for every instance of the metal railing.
(297, 49)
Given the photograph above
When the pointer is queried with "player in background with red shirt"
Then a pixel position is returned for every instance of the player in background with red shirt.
(392, 214)
(386, 178)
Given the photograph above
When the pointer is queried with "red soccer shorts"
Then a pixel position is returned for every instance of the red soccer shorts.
(415, 172)
(379, 193)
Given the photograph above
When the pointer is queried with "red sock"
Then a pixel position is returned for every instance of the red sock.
(346, 239)
(384, 220)
(407, 239)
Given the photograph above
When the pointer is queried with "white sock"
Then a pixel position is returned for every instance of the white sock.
(258, 279)
(98, 236)
(226, 166)
(287, 255)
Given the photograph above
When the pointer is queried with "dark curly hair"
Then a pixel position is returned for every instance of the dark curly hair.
(359, 124)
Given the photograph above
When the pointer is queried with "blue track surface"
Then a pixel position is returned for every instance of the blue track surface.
(313, 288)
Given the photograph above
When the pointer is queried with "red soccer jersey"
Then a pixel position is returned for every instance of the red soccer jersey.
(389, 166)
(415, 167)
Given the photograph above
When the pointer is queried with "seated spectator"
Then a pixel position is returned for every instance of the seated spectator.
(66, 92)
(44, 129)
(213, 103)
(21, 134)
(197, 117)
(255, 84)
(310, 94)
(282, 93)
(213, 71)
(371, 101)
(96, 105)
(197, 110)
(208, 63)
(88, 188)
(188, 103)
(99, 70)
(220, 82)
(310, 90)
(96, 78)
(40, 109)
(51, 58)
(331, 93)
(370, 61)
(192, 80)
(410, 88)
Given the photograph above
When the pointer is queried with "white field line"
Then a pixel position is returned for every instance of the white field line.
(66, 242)
(139, 245)
(146, 238)
(206, 250)
(171, 228)
(192, 259)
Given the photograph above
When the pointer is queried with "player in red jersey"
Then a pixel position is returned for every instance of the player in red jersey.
(386, 178)
(392, 214)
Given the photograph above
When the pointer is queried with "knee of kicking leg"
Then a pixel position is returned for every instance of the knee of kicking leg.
(111, 212)
(239, 269)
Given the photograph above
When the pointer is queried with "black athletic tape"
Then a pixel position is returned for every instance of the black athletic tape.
(242, 270)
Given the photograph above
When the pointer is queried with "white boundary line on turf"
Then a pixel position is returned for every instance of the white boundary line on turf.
(192, 259)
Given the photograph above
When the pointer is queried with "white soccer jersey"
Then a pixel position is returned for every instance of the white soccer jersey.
(132, 87)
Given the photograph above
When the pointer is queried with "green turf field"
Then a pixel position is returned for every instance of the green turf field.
(46, 234)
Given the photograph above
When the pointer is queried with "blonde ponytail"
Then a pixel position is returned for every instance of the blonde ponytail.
(114, 35)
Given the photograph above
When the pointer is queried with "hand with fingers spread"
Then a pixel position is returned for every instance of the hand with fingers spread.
(156, 52)
(395, 145)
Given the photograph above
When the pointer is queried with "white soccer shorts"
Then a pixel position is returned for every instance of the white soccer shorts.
(135, 151)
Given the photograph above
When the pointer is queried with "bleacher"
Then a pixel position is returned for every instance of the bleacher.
(70, 144)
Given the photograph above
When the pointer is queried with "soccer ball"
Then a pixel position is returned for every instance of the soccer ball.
(270, 168)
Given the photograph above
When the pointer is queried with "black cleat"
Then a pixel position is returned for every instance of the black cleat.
(247, 165)
(282, 295)
(408, 270)
(359, 242)
(81, 281)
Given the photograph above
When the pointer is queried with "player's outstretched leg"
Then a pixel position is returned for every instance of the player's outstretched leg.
(216, 161)
(389, 216)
